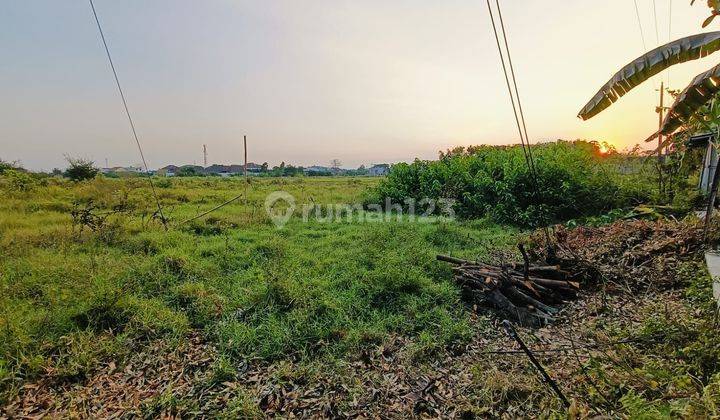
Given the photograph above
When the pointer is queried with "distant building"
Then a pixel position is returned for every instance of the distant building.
(170, 170)
(216, 170)
(381, 169)
(220, 170)
(317, 170)
(230, 170)
(254, 168)
(122, 170)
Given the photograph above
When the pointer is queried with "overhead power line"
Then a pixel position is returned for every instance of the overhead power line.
(517, 93)
(639, 21)
(670, 13)
(515, 97)
(129, 117)
(657, 33)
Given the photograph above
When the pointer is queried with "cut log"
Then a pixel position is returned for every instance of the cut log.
(523, 292)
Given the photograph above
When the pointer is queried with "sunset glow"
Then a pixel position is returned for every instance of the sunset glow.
(364, 82)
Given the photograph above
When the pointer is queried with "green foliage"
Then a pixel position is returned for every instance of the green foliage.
(80, 169)
(639, 408)
(574, 180)
(8, 166)
(222, 370)
(19, 181)
(187, 171)
(672, 367)
(714, 6)
(71, 298)
(242, 406)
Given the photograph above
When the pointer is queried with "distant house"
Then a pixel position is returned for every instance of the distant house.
(185, 170)
(216, 170)
(254, 168)
(220, 170)
(315, 170)
(122, 170)
(230, 170)
(381, 169)
(170, 170)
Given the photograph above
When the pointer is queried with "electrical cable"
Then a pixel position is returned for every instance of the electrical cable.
(517, 109)
(127, 112)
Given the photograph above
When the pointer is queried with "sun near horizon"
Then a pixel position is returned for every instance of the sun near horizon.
(365, 82)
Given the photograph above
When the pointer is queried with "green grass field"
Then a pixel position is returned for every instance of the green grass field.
(88, 275)
(90, 280)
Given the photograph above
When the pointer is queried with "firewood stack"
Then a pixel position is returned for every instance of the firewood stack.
(524, 293)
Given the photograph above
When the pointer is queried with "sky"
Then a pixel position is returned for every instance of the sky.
(365, 82)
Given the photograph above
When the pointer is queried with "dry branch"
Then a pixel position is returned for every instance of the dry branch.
(522, 292)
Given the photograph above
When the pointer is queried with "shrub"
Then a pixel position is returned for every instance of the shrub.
(495, 181)
(8, 166)
(80, 169)
(19, 181)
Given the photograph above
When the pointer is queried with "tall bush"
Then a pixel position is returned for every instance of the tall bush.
(9, 166)
(495, 181)
(80, 169)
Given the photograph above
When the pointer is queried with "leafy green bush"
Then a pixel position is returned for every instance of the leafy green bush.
(19, 181)
(80, 169)
(572, 179)
(8, 166)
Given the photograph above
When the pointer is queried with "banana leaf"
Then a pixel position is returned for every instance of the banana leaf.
(699, 92)
(648, 65)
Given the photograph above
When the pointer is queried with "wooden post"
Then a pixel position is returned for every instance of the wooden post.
(245, 170)
(245, 147)
(713, 188)
(660, 137)
(660, 120)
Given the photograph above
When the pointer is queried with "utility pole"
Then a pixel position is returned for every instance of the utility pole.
(660, 121)
(660, 137)
(245, 147)
(205, 155)
(245, 170)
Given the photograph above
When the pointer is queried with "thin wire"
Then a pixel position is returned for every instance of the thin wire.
(517, 94)
(127, 112)
(642, 33)
(219, 206)
(521, 121)
(507, 81)
(670, 9)
(657, 33)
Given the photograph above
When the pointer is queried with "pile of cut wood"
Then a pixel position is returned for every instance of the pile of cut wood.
(525, 293)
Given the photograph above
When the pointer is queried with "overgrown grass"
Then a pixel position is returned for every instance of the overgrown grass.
(673, 370)
(73, 293)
